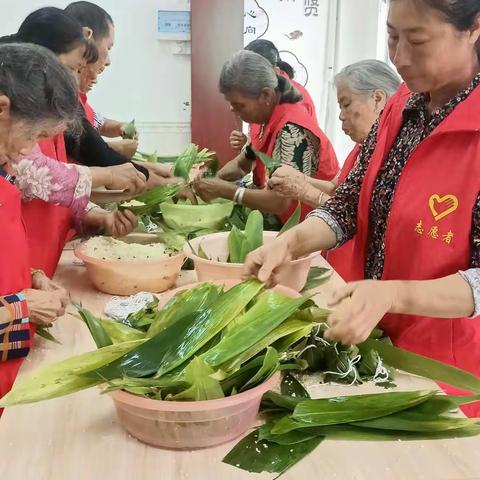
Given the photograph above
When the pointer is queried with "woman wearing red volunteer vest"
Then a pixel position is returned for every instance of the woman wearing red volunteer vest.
(412, 198)
(48, 224)
(363, 89)
(288, 134)
(268, 50)
(37, 99)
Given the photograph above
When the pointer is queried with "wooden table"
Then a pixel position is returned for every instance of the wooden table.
(79, 438)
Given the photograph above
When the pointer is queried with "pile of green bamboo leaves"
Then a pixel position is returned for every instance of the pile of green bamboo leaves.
(204, 344)
(296, 425)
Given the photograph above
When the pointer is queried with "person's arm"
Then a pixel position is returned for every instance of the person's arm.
(91, 150)
(236, 168)
(111, 128)
(266, 201)
(359, 306)
(40, 177)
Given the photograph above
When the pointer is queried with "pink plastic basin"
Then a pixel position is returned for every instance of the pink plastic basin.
(293, 274)
(118, 277)
(192, 425)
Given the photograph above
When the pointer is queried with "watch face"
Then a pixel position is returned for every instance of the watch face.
(255, 21)
(301, 72)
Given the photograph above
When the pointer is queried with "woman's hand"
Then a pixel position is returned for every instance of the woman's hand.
(159, 175)
(288, 182)
(209, 189)
(265, 262)
(120, 177)
(360, 307)
(44, 307)
(40, 281)
(237, 140)
(116, 224)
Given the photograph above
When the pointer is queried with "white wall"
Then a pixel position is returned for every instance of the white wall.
(357, 38)
(146, 80)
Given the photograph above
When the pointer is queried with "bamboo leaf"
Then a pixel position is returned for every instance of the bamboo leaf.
(183, 304)
(63, 378)
(270, 310)
(257, 456)
(45, 333)
(253, 234)
(317, 276)
(269, 162)
(130, 130)
(331, 411)
(184, 162)
(202, 386)
(293, 220)
(236, 240)
(119, 332)
(285, 329)
(292, 387)
(182, 339)
(97, 331)
(423, 366)
(269, 367)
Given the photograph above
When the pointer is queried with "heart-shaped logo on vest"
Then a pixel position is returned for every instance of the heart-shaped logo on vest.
(442, 206)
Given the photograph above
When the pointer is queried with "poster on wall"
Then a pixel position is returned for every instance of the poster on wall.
(299, 29)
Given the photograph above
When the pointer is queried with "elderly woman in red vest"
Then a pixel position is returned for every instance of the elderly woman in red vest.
(287, 132)
(363, 90)
(412, 199)
(38, 98)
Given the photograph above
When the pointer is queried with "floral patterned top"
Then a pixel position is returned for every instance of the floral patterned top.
(297, 147)
(40, 177)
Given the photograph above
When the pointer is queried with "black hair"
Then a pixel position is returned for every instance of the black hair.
(460, 13)
(288, 93)
(92, 16)
(38, 86)
(287, 68)
(52, 28)
(266, 49)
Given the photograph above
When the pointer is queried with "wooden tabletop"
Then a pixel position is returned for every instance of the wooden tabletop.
(79, 438)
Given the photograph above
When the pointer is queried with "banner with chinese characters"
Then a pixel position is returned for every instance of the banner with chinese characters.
(299, 29)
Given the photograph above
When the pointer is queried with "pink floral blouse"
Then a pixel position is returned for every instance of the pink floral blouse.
(40, 177)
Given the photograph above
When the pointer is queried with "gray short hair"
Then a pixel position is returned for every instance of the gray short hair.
(367, 76)
(248, 73)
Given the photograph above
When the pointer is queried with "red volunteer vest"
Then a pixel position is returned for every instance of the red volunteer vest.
(89, 113)
(307, 101)
(15, 275)
(292, 113)
(47, 225)
(341, 258)
(428, 231)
